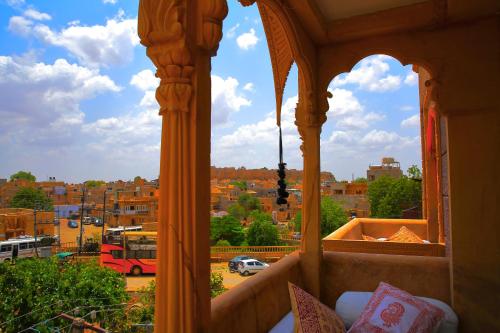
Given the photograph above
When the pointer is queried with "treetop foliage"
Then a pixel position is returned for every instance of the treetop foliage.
(23, 175)
(226, 228)
(34, 290)
(389, 196)
(94, 183)
(28, 197)
(262, 231)
(332, 217)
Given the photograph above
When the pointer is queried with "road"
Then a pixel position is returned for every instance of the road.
(230, 279)
(71, 234)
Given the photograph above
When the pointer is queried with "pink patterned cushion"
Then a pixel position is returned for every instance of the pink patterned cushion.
(393, 310)
(312, 316)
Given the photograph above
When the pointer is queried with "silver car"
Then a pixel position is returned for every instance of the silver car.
(250, 266)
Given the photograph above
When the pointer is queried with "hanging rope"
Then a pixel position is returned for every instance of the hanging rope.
(282, 193)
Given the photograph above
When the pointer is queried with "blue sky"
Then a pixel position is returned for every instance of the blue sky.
(77, 98)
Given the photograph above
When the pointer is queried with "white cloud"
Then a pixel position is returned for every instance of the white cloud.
(411, 78)
(413, 121)
(94, 46)
(42, 101)
(36, 15)
(110, 1)
(15, 3)
(407, 108)
(225, 99)
(247, 40)
(145, 80)
(255, 145)
(371, 75)
(249, 87)
(343, 102)
(231, 32)
(20, 25)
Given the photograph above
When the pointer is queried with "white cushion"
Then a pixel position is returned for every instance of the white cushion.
(285, 325)
(351, 304)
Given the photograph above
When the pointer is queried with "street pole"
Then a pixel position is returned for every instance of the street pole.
(103, 218)
(35, 231)
(81, 222)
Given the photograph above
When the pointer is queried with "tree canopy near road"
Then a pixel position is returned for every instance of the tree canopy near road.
(389, 197)
(262, 231)
(332, 217)
(227, 228)
(29, 197)
(35, 290)
(23, 175)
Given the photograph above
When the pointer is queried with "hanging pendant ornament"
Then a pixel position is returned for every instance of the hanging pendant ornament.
(282, 193)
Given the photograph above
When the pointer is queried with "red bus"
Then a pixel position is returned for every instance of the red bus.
(136, 257)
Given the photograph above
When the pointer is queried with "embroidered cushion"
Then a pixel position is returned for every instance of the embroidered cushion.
(351, 304)
(405, 235)
(393, 310)
(312, 316)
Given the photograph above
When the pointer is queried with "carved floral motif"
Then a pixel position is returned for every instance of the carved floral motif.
(161, 27)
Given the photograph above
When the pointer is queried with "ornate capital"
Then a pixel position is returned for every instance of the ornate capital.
(311, 111)
(213, 13)
(162, 29)
(247, 3)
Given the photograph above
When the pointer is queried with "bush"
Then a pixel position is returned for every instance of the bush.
(34, 290)
(262, 231)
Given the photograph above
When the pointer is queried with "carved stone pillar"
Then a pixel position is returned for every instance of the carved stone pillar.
(180, 37)
(431, 149)
(309, 119)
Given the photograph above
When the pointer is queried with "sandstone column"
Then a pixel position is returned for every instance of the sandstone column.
(309, 119)
(180, 37)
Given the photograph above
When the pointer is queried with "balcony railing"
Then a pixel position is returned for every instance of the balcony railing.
(349, 238)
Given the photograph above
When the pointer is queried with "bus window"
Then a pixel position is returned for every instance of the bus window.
(117, 254)
(31, 245)
(23, 246)
(143, 254)
(131, 254)
(153, 254)
(6, 248)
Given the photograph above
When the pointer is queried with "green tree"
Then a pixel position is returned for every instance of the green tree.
(377, 191)
(23, 175)
(262, 231)
(222, 242)
(34, 290)
(360, 180)
(246, 204)
(241, 184)
(216, 284)
(28, 197)
(227, 228)
(414, 172)
(389, 197)
(332, 216)
(94, 183)
(249, 202)
(297, 221)
(237, 211)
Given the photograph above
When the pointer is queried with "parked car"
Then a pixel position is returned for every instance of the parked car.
(249, 266)
(233, 263)
(87, 220)
(98, 222)
(72, 224)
